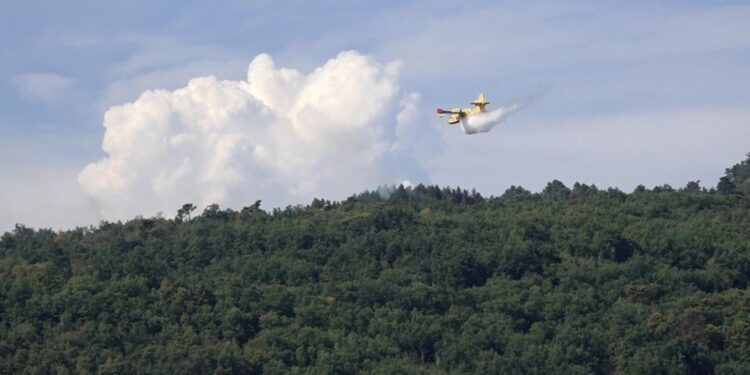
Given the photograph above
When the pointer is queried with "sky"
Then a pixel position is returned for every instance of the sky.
(109, 110)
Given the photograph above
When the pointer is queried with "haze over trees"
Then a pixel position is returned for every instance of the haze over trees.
(424, 280)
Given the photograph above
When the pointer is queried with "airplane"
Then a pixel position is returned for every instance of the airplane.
(457, 114)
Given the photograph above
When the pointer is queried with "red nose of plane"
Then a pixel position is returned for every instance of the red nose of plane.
(440, 111)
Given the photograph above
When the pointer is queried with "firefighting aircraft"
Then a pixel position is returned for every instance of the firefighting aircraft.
(457, 114)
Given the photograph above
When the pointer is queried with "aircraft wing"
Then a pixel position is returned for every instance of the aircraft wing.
(455, 111)
(456, 114)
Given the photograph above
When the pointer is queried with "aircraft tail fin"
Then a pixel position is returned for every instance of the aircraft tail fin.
(480, 101)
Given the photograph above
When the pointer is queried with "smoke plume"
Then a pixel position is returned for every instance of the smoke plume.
(484, 122)
(281, 135)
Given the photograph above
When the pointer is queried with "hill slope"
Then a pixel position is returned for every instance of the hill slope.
(429, 280)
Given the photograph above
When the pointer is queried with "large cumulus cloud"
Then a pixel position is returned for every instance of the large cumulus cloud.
(282, 136)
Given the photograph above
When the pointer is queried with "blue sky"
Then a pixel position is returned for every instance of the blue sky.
(634, 92)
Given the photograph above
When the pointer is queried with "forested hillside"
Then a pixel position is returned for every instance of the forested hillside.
(572, 280)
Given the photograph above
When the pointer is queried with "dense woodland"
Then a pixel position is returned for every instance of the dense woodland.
(573, 280)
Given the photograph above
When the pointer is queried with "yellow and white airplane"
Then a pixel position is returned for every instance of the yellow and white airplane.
(457, 114)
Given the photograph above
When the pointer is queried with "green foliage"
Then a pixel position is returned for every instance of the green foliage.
(429, 280)
(736, 179)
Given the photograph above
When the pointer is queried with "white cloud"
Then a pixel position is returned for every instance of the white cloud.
(416, 142)
(44, 87)
(127, 89)
(281, 136)
(408, 123)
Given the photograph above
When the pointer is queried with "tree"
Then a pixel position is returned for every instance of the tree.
(185, 211)
(692, 187)
(556, 190)
(741, 174)
(726, 184)
(433, 281)
(736, 179)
